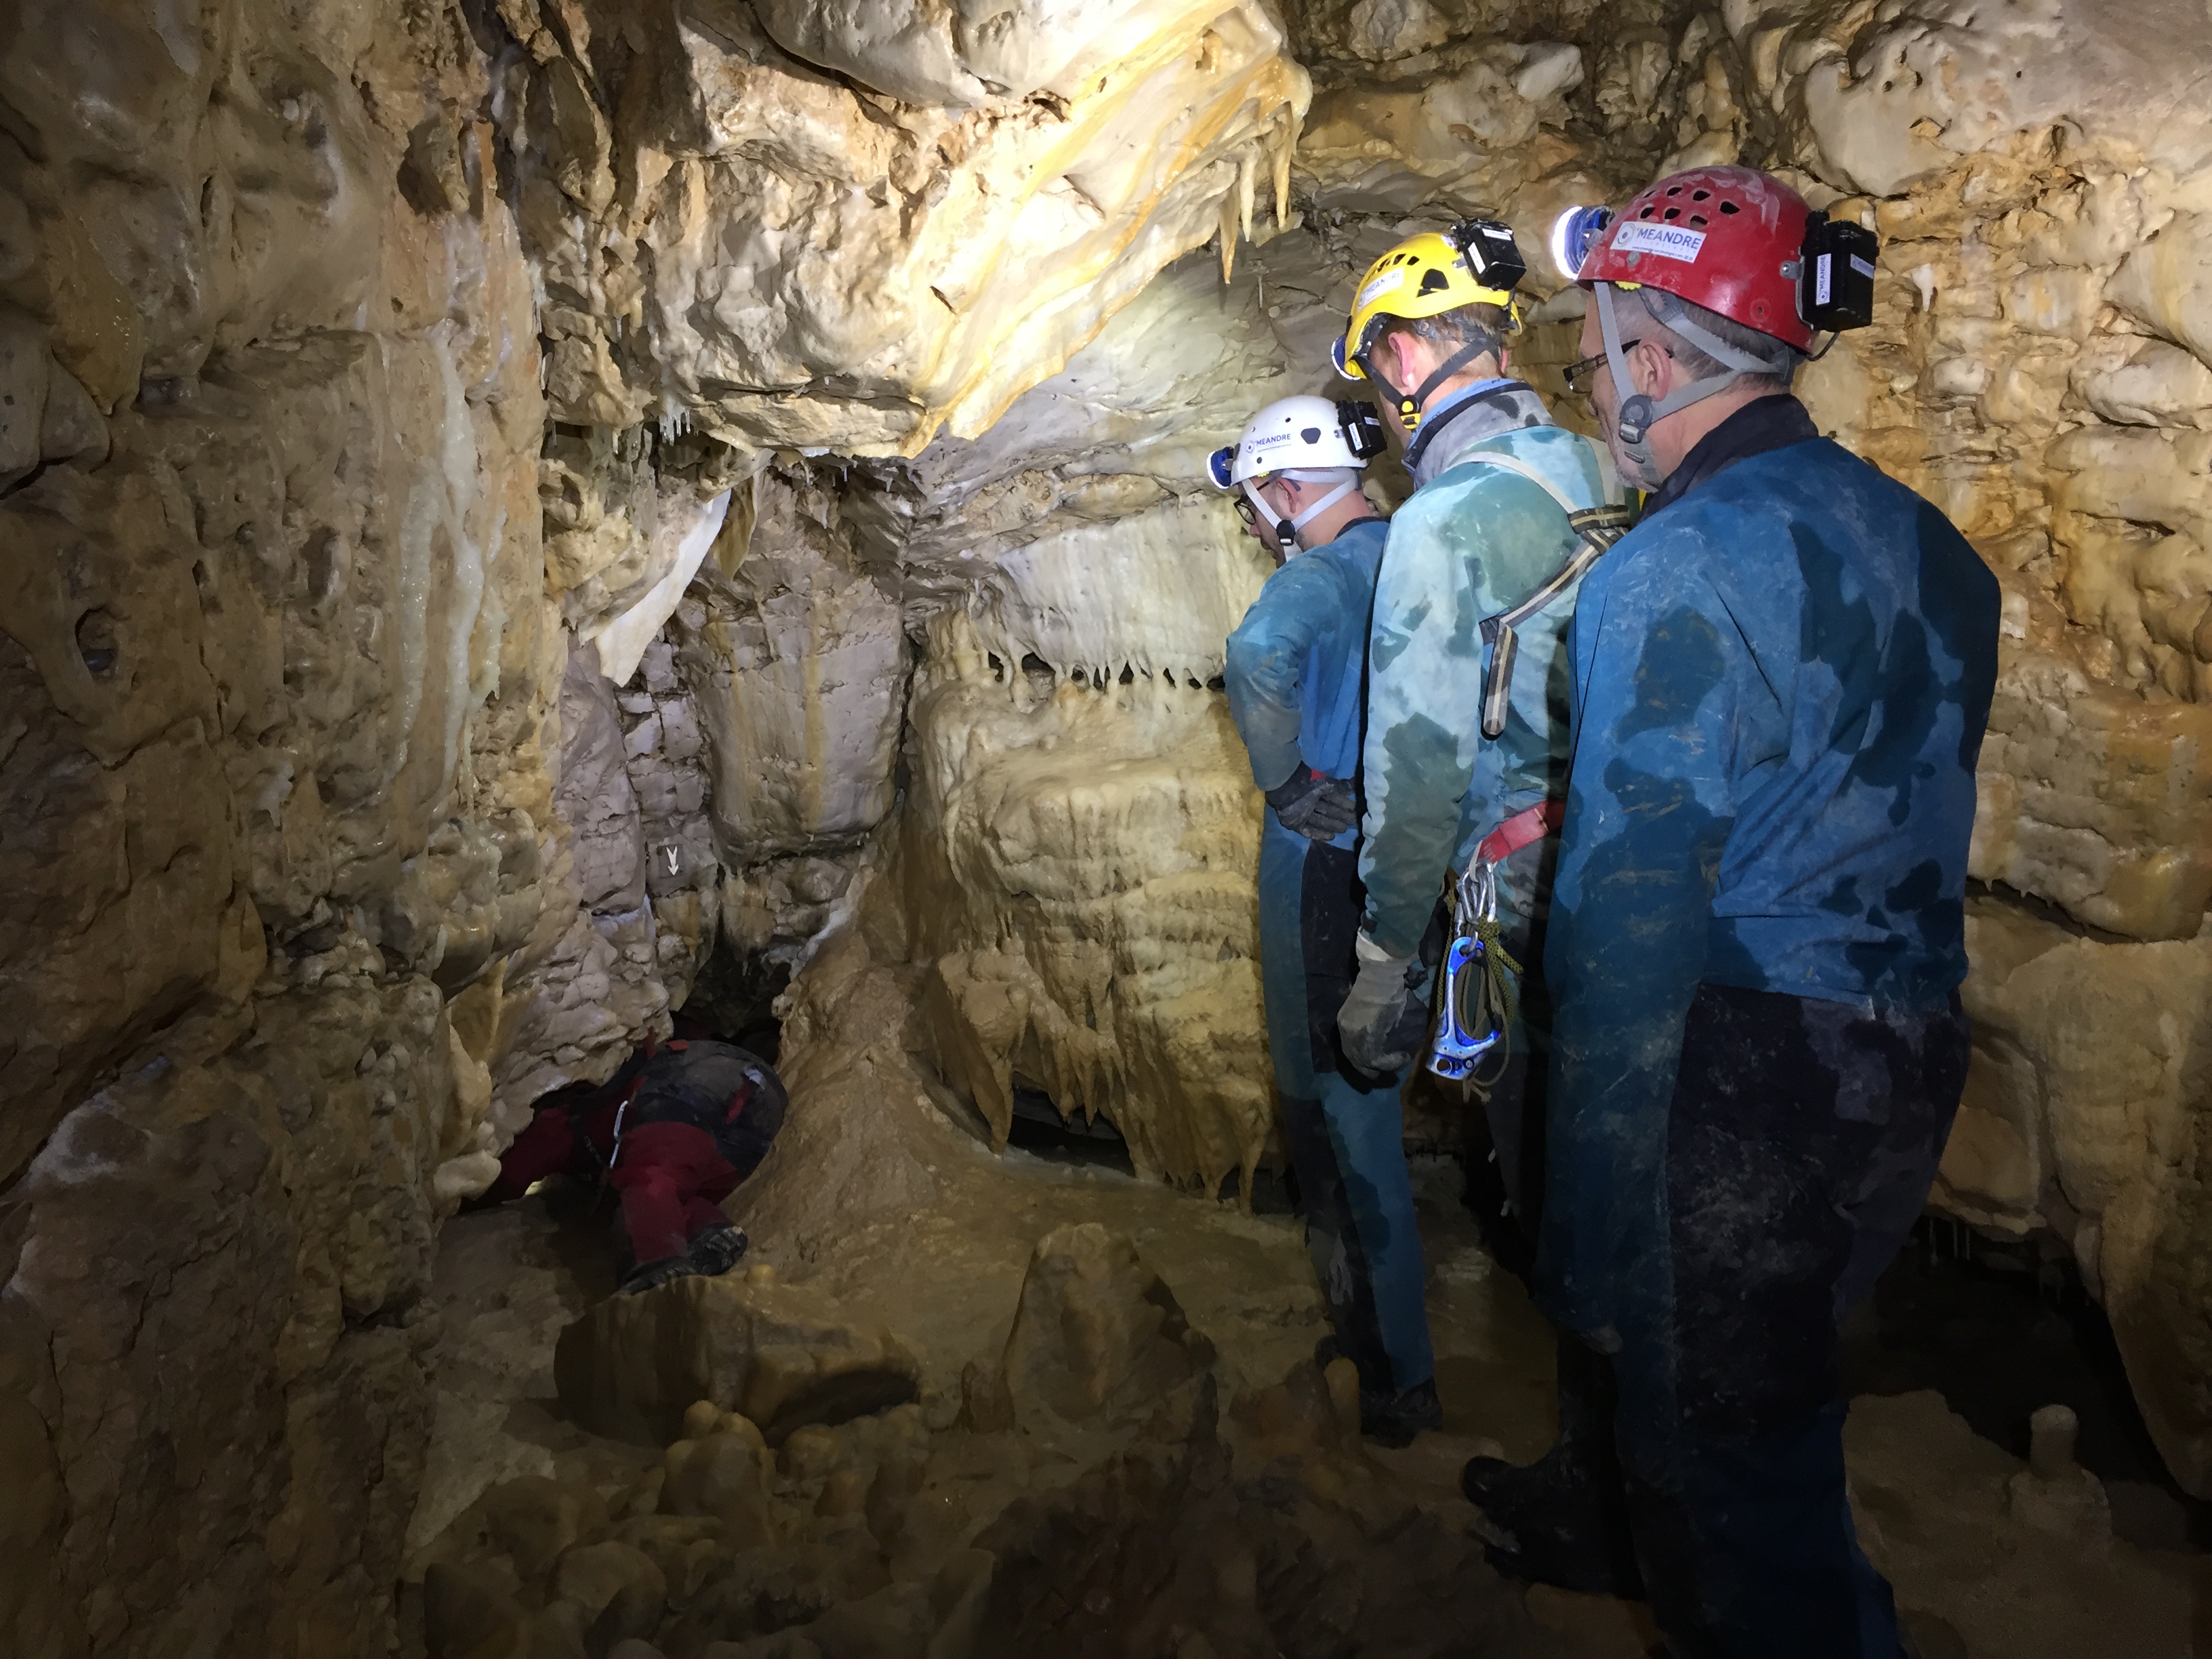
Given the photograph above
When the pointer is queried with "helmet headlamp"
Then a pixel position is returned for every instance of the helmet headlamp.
(1574, 232)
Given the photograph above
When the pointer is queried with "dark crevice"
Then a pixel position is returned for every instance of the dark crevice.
(2000, 1330)
(1039, 1129)
(733, 998)
(1997, 892)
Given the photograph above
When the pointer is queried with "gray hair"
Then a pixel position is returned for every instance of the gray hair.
(1666, 309)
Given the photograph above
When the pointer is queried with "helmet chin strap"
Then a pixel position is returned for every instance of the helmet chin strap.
(1639, 412)
(1287, 540)
(1409, 403)
(1280, 534)
(1348, 486)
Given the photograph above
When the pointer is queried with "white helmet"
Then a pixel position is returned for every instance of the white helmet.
(1310, 439)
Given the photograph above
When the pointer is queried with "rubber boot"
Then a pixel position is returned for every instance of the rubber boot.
(1393, 1419)
(1386, 1417)
(1563, 1520)
(653, 1273)
(717, 1249)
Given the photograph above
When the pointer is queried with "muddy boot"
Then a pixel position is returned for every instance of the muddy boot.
(1561, 1520)
(1393, 1419)
(716, 1250)
(1564, 1519)
(651, 1274)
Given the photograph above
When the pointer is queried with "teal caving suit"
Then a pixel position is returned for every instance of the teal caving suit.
(1476, 539)
(1295, 680)
(1781, 680)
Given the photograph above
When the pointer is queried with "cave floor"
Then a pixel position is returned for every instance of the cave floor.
(1980, 1569)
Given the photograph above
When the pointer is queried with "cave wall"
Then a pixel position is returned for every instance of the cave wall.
(376, 380)
(497, 499)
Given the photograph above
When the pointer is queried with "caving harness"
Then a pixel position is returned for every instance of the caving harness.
(1596, 529)
(1477, 991)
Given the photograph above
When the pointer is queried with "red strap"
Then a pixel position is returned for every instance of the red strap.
(1523, 830)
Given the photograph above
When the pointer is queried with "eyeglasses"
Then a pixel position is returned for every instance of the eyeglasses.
(1242, 502)
(1581, 374)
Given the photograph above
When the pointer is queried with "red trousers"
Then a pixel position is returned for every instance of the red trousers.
(671, 1178)
(672, 1182)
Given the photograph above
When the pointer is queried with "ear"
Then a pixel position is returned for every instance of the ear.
(1401, 348)
(1654, 371)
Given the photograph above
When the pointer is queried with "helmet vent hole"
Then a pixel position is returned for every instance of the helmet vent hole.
(1309, 435)
(1698, 219)
(1728, 206)
(1673, 190)
(1435, 282)
(1700, 195)
(1674, 213)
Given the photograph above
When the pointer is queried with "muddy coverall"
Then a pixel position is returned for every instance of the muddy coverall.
(1475, 541)
(696, 1118)
(1294, 679)
(1781, 680)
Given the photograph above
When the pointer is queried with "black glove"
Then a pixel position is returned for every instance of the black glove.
(1317, 807)
(1384, 1021)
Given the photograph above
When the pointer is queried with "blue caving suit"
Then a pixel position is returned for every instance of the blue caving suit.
(1781, 678)
(1295, 682)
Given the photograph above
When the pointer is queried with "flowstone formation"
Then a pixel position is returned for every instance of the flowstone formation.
(507, 506)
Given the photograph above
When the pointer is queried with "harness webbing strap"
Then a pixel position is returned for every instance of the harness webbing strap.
(1596, 529)
(1524, 828)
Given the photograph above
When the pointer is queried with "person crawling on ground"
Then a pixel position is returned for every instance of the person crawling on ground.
(673, 1132)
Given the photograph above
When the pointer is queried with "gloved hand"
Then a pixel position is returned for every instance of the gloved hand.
(1384, 1021)
(1317, 807)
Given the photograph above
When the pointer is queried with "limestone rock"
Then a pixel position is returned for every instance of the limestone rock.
(2085, 1114)
(535, 1520)
(722, 1475)
(1162, 1537)
(1937, 1513)
(465, 1615)
(800, 658)
(632, 1365)
(1096, 1333)
(612, 1577)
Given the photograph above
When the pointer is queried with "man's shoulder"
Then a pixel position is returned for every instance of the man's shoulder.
(1818, 486)
(1478, 499)
(1326, 568)
(1320, 578)
(1354, 551)
(1566, 458)
(1817, 479)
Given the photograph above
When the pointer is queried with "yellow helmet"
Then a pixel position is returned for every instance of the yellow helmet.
(1423, 277)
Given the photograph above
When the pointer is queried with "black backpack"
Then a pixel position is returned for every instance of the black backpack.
(732, 1093)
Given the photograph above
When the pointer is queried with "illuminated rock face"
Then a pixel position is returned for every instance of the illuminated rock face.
(327, 343)
(805, 226)
(495, 501)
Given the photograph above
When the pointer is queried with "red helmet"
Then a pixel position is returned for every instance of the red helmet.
(1727, 239)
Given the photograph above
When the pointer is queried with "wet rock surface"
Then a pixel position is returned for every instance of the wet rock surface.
(631, 1366)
